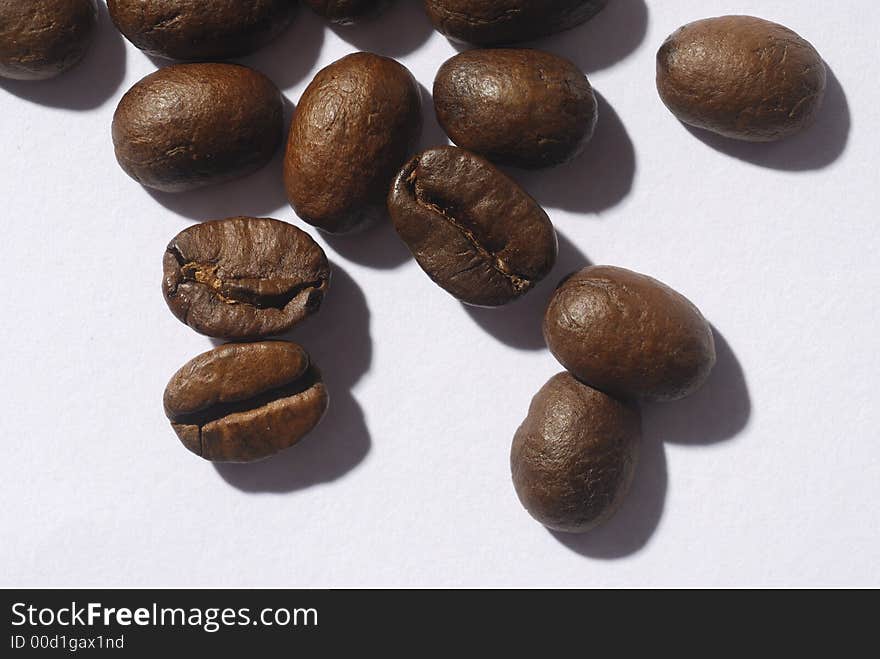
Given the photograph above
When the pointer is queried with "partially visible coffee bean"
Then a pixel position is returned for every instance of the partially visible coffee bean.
(243, 402)
(199, 30)
(354, 127)
(244, 277)
(345, 12)
(518, 107)
(495, 22)
(741, 77)
(472, 229)
(40, 39)
(574, 456)
(191, 125)
(629, 335)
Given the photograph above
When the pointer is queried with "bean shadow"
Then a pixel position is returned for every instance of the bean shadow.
(338, 339)
(634, 524)
(396, 31)
(717, 412)
(817, 147)
(598, 179)
(432, 133)
(293, 54)
(91, 83)
(379, 246)
(519, 323)
(258, 194)
(615, 33)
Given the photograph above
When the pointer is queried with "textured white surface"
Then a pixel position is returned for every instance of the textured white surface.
(770, 476)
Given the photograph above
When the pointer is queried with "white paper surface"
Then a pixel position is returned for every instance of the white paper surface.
(769, 476)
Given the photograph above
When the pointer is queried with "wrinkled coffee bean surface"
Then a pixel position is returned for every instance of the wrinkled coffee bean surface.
(243, 402)
(472, 229)
(244, 277)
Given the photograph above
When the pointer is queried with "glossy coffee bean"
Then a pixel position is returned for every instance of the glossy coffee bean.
(354, 127)
(191, 125)
(243, 402)
(496, 22)
(199, 30)
(629, 335)
(472, 229)
(574, 456)
(345, 12)
(40, 39)
(244, 277)
(741, 77)
(518, 107)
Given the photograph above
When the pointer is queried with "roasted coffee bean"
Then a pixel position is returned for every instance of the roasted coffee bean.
(40, 39)
(472, 229)
(243, 402)
(354, 127)
(495, 22)
(574, 456)
(518, 107)
(199, 30)
(244, 277)
(191, 125)
(629, 335)
(741, 77)
(345, 12)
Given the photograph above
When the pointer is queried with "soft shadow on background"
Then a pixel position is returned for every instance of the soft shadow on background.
(616, 32)
(338, 341)
(259, 194)
(290, 58)
(398, 30)
(432, 133)
(598, 179)
(719, 411)
(379, 246)
(817, 147)
(634, 524)
(91, 83)
(518, 324)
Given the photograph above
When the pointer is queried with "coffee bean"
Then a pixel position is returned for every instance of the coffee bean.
(40, 39)
(191, 125)
(629, 335)
(198, 30)
(741, 77)
(518, 107)
(244, 277)
(574, 456)
(243, 402)
(354, 127)
(472, 229)
(345, 12)
(495, 22)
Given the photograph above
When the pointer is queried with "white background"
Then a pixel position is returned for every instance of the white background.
(769, 476)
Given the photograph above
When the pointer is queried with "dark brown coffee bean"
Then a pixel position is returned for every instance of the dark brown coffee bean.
(473, 230)
(191, 125)
(354, 127)
(518, 107)
(741, 77)
(243, 402)
(495, 22)
(199, 30)
(40, 39)
(345, 12)
(629, 335)
(574, 456)
(244, 277)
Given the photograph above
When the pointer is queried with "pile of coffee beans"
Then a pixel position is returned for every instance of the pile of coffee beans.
(623, 338)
